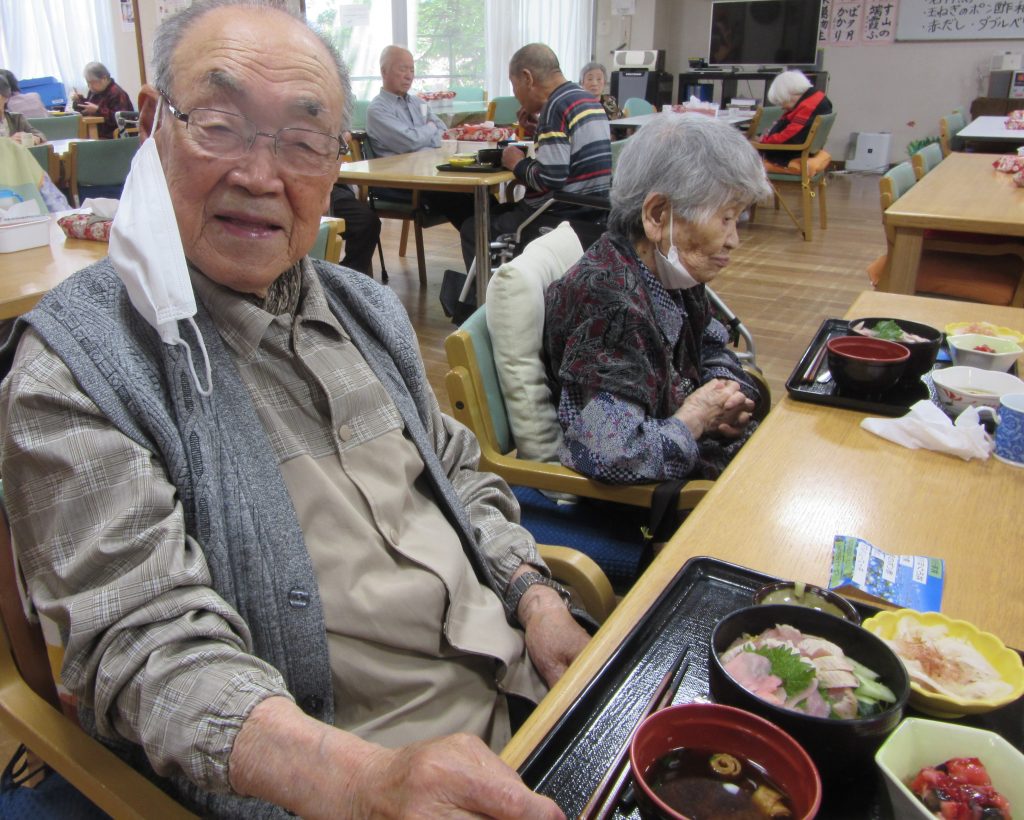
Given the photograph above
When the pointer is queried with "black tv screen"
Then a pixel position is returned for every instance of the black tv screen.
(764, 32)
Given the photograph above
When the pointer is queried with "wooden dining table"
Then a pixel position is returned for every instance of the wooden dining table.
(418, 171)
(25, 276)
(809, 473)
(962, 193)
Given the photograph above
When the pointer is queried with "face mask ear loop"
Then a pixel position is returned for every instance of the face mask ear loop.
(206, 360)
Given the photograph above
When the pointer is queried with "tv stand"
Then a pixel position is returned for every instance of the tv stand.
(724, 83)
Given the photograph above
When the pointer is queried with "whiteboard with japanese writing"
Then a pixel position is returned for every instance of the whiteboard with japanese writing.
(960, 20)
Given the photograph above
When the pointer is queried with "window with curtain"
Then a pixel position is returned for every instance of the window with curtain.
(56, 38)
(456, 43)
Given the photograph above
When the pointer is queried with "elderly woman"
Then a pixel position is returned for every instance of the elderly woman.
(13, 124)
(593, 78)
(30, 104)
(800, 104)
(649, 389)
(105, 99)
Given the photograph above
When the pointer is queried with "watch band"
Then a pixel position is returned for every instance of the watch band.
(518, 588)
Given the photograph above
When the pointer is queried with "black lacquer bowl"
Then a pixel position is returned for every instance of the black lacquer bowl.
(840, 748)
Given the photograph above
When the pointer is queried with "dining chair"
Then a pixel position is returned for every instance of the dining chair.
(635, 106)
(763, 119)
(503, 111)
(498, 388)
(328, 243)
(808, 169)
(949, 126)
(411, 212)
(926, 158)
(974, 267)
(58, 127)
(32, 713)
(359, 108)
(617, 146)
(98, 168)
(470, 94)
(47, 160)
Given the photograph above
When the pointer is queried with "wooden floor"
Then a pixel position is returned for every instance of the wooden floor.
(780, 286)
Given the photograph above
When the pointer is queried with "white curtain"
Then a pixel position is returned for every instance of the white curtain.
(564, 25)
(41, 38)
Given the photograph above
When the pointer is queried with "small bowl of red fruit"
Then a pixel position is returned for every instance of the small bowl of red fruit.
(986, 352)
(936, 769)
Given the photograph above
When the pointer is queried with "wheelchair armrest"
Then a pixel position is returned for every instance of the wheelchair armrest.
(582, 200)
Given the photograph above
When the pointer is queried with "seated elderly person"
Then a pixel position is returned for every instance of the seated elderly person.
(593, 78)
(649, 389)
(105, 99)
(800, 103)
(21, 102)
(13, 124)
(281, 582)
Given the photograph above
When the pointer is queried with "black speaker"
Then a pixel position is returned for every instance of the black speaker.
(653, 86)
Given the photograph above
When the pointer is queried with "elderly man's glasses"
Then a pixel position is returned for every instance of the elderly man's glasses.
(225, 135)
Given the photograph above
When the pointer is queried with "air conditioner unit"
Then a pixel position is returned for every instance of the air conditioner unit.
(651, 59)
(1006, 61)
(870, 152)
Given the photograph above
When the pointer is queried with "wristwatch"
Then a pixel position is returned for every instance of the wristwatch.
(518, 588)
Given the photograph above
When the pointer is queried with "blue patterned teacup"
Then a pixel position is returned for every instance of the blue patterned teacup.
(1010, 433)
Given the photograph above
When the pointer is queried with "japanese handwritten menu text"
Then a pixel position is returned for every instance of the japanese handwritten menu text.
(858, 22)
(960, 19)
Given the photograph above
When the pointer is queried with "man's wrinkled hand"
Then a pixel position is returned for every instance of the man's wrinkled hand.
(454, 776)
(511, 157)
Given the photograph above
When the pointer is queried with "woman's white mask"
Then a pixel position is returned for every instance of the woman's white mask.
(671, 270)
(146, 252)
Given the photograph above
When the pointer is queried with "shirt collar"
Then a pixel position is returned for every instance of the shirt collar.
(243, 324)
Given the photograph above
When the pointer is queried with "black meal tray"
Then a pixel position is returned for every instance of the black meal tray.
(476, 167)
(894, 402)
(569, 763)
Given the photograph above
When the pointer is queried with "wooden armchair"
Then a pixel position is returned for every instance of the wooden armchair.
(926, 159)
(98, 168)
(31, 712)
(763, 119)
(949, 127)
(808, 169)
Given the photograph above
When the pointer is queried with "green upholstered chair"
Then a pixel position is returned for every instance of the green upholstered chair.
(926, 158)
(98, 168)
(763, 119)
(503, 111)
(635, 106)
(472, 94)
(328, 240)
(949, 127)
(63, 127)
(359, 114)
(47, 160)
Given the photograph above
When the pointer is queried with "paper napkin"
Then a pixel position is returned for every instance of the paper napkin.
(925, 426)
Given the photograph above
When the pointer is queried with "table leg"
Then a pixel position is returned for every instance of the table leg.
(905, 257)
(482, 216)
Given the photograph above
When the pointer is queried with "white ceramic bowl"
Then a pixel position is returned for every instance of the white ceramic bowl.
(961, 387)
(917, 743)
(963, 350)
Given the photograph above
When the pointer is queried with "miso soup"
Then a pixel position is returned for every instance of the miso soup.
(707, 785)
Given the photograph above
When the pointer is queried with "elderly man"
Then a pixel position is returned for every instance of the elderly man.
(280, 580)
(574, 152)
(399, 124)
(105, 99)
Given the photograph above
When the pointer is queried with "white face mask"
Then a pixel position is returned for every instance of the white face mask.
(145, 249)
(671, 270)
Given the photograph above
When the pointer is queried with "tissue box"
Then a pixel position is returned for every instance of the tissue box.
(25, 233)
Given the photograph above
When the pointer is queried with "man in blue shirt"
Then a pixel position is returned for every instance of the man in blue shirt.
(397, 123)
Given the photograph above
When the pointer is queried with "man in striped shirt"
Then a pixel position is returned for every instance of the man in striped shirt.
(573, 151)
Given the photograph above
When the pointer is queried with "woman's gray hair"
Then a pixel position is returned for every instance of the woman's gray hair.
(172, 30)
(787, 87)
(701, 164)
(592, 66)
(96, 71)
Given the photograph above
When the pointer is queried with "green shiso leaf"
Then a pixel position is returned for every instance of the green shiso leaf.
(795, 672)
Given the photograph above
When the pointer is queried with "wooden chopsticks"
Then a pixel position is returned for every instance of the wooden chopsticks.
(812, 369)
(606, 796)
